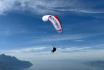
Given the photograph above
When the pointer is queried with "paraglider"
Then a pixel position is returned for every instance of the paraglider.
(55, 22)
(53, 50)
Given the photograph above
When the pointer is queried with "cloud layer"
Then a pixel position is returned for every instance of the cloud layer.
(44, 53)
(51, 7)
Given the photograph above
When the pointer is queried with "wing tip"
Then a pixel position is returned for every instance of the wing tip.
(60, 31)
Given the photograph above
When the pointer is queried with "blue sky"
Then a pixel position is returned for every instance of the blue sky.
(21, 25)
(23, 33)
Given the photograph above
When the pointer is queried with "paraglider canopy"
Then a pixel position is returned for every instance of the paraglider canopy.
(54, 20)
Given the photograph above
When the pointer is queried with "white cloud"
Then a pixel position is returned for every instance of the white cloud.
(74, 49)
(44, 53)
(47, 49)
(62, 37)
(46, 6)
(82, 11)
(28, 50)
(6, 5)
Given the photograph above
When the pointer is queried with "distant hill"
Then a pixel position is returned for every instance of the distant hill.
(12, 63)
